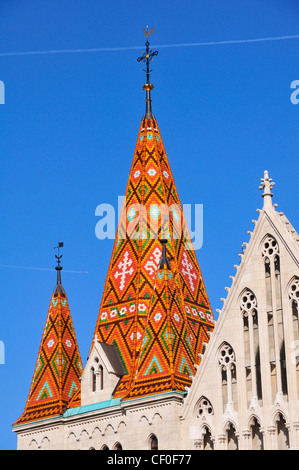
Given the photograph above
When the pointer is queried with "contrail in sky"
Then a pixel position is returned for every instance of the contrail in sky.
(128, 48)
(39, 269)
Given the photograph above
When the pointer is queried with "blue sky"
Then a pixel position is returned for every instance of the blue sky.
(68, 132)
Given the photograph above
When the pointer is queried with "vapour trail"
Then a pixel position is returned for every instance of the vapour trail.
(128, 48)
(39, 269)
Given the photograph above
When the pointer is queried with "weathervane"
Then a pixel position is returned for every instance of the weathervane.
(60, 245)
(58, 268)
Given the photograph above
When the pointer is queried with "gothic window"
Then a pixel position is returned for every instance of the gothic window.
(258, 374)
(284, 386)
(117, 446)
(294, 299)
(283, 442)
(208, 443)
(93, 379)
(248, 307)
(227, 363)
(277, 284)
(204, 408)
(104, 447)
(256, 435)
(101, 377)
(153, 442)
(232, 440)
(270, 253)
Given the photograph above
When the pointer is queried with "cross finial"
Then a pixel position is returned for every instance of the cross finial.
(267, 184)
(146, 58)
(148, 55)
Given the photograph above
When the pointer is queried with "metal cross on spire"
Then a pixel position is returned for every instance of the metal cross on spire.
(148, 54)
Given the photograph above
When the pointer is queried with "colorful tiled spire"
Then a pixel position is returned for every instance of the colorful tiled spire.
(58, 368)
(157, 318)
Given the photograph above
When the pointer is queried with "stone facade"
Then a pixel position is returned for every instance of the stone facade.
(244, 394)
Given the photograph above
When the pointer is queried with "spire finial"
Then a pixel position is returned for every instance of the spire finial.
(60, 245)
(267, 184)
(58, 268)
(146, 57)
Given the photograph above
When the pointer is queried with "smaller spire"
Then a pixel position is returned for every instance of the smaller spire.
(267, 184)
(146, 57)
(58, 268)
(56, 379)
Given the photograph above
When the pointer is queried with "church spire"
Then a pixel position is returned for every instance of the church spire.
(145, 59)
(56, 378)
(155, 309)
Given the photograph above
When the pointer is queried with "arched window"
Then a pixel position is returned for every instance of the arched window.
(232, 440)
(208, 444)
(227, 363)
(117, 446)
(258, 374)
(93, 379)
(283, 368)
(153, 442)
(104, 447)
(256, 435)
(294, 301)
(101, 377)
(283, 442)
(249, 311)
(270, 253)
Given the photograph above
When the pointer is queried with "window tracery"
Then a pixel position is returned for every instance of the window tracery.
(204, 408)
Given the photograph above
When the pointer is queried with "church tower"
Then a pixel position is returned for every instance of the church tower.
(155, 309)
(56, 378)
